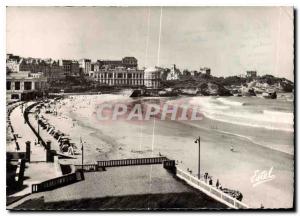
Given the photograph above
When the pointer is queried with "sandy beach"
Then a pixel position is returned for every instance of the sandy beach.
(260, 146)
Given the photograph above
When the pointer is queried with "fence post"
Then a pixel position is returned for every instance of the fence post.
(48, 145)
(28, 151)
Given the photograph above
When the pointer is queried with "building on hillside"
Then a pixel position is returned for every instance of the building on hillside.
(194, 73)
(13, 62)
(34, 66)
(174, 73)
(152, 77)
(49, 68)
(55, 73)
(70, 67)
(251, 74)
(11, 57)
(126, 62)
(205, 70)
(85, 66)
(25, 85)
(130, 62)
(118, 76)
(95, 66)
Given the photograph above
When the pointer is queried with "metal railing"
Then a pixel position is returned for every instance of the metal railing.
(57, 182)
(210, 190)
(131, 162)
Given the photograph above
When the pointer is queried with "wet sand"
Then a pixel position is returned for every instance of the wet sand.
(174, 139)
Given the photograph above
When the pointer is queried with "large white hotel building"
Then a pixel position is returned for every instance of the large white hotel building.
(124, 73)
(119, 76)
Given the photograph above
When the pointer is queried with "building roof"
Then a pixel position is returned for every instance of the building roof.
(152, 70)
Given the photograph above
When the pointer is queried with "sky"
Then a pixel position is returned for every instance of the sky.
(229, 40)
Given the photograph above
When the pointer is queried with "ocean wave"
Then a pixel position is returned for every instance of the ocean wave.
(229, 102)
(251, 120)
(236, 113)
(207, 103)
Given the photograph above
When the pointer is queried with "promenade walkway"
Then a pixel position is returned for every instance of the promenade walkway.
(38, 169)
(44, 134)
(38, 153)
(10, 143)
(117, 181)
(120, 181)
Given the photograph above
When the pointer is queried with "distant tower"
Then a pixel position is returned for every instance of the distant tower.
(174, 73)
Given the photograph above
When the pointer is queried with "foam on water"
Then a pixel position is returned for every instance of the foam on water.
(235, 113)
(231, 103)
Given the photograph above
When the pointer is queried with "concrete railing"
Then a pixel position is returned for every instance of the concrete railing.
(210, 190)
(57, 182)
(20, 171)
(131, 162)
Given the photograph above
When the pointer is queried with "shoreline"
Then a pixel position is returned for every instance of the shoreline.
(112, 142)
(244, 137)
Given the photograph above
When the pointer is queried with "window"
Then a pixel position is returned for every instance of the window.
(38, 85)
(17, 85)
(27, 85)
(15, 96)
(120, 75)
(129, 76)
(8, 85)
(110, 75)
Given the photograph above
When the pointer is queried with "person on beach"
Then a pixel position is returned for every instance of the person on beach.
(71, 150)
(232, 149)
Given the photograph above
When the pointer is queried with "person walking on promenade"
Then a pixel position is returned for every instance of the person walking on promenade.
(205, 177)
(217, 183)
(220, 187)
(210, 181)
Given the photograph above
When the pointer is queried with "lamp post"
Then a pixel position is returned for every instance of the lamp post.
(38, 130)
(198, 141)
(37, 118)
(81, 154)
